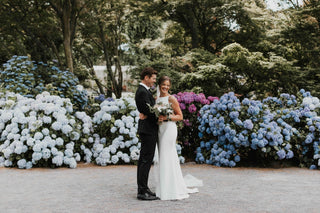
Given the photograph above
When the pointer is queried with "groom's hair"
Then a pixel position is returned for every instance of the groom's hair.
(148, 71)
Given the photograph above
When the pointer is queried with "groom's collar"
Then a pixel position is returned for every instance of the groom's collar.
(144, 85)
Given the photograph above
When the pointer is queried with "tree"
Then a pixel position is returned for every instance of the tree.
(246, 73)
(68, 12)
(29, 27)
(211, 24)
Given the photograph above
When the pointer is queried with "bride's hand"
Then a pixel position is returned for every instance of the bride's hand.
(142, 116)
(162, 118)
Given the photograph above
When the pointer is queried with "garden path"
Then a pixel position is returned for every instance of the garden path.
(90, 188)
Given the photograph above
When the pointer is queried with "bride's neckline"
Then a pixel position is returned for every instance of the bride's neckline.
(164, 96)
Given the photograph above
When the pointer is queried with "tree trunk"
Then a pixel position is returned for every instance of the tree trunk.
(67, 11)
(111, 76)
(98, 82)
(66, 28)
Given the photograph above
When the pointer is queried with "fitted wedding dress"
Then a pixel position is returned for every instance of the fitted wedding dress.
(170, 184)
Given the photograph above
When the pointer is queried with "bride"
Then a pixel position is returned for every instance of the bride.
(170, 184)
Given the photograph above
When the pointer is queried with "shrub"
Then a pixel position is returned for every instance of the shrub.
(190, 104)
(274, 129)
(41, 132)
(29, 78)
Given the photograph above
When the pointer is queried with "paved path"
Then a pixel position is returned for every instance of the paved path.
(91, 188)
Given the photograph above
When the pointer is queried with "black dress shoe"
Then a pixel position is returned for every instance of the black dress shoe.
(146, 196)
(150, 192)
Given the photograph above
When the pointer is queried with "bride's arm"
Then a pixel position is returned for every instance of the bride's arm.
(177, 116)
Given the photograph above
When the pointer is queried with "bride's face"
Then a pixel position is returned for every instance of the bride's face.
(165, 86)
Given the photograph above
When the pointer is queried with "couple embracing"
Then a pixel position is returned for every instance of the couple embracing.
(158, 142)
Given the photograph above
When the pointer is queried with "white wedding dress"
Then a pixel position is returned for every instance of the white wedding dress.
(170, 184)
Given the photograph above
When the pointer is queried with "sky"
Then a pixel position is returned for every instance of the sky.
(274, 4)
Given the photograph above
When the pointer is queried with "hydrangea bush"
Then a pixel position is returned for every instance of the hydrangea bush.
(274, 129)
(29, 78)
(41, 132)
(190, 104)
(116, 140)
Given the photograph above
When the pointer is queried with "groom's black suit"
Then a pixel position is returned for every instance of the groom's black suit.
(148, 133)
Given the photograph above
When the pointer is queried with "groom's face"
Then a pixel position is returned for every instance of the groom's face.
(151, 80)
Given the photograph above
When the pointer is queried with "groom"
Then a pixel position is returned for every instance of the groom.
(148, 132)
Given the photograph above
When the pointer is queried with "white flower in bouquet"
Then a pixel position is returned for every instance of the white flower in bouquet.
(161, 109)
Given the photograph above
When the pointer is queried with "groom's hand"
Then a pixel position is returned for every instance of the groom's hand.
(142, 116)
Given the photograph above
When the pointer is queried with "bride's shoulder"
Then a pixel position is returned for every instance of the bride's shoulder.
(172, 98)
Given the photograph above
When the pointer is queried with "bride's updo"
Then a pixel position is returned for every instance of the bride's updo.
(164, 78)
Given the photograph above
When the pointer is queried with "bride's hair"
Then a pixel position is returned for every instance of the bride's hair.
(164, 78)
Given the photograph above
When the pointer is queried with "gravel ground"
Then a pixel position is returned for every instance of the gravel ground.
(91, 188)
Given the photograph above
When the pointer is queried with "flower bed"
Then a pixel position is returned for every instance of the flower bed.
(274, 129)
(45, 131)
(42, 132)
(190, 104)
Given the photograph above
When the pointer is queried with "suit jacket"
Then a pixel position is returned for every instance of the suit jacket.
(142, 98)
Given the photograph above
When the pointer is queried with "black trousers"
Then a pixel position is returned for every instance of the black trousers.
(148, 145)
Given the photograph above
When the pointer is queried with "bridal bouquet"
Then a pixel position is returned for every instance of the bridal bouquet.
(161, 109)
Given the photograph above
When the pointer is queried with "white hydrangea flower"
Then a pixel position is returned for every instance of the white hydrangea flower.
(59, 141)
(38, 136)
(66, 129)
(57, 160)
(135, 154)
(36, 156)
(114, 159)
(68, 153)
